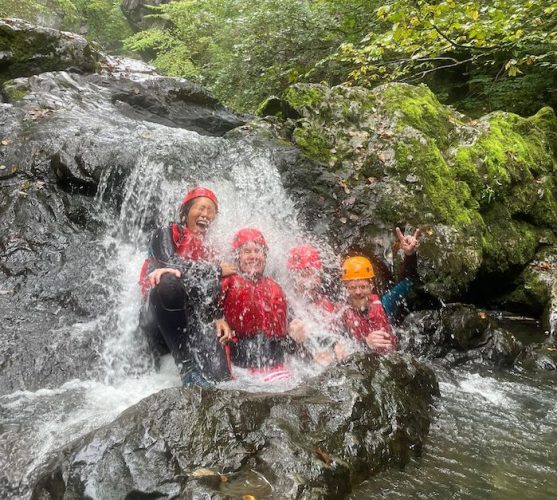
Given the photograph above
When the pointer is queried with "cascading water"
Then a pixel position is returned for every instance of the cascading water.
(250, 194)
(169, 161)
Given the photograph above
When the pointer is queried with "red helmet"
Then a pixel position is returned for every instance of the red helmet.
(200, 192)
(303, 257)
(246, 235)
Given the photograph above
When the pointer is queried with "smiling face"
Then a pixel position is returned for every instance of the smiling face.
(200, 215)
(252, 259)
(358, 292)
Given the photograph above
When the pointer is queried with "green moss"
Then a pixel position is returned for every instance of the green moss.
(546, 121)
(508, 162)
(13, 92)
(313, 142)
(302, 96)
(508, 243)
(420, 109)
(434, 186)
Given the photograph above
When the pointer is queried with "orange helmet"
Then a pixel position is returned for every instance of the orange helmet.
(357, 268)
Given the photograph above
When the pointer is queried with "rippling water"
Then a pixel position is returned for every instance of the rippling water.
(494, 436)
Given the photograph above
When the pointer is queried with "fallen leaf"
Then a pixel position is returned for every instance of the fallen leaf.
(323, 456)
(203, 472)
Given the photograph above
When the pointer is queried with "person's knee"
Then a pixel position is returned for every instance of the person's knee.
(170, 292)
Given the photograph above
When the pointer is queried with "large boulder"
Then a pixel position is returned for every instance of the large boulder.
(136, 11)
(457, 334)
(26, 49)
(68, 143)
(316, 441)
(483, 191)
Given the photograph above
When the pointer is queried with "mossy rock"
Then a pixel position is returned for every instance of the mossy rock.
(484, 191)
(29, 50)
(15, 90)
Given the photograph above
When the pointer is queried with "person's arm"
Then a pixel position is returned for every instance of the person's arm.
(396, 296)
(163, 252)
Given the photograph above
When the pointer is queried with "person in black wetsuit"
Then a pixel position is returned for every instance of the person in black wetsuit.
(180, 281)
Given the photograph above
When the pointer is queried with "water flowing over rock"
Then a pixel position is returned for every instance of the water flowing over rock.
(316, 441)
(68, 139)
(90, 161)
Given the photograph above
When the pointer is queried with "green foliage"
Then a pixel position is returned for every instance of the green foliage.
(244, 50)
(488, 51)
(102, 20)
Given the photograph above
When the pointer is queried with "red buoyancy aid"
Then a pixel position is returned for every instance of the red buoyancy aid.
(359, 324)
(186, 245)
(325, 304)
(252, 307)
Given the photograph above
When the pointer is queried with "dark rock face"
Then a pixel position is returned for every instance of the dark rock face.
(68, 143)
(26, 50)
(315, 441)
(136, 10)
(458, 333)
(540, 357)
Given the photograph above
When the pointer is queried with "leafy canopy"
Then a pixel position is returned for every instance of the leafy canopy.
(483, 42)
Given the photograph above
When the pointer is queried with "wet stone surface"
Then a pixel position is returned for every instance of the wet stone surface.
(318, 440)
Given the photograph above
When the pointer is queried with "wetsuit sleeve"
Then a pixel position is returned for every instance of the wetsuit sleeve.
(409, 269)
(163, 253)
(202, 279)
(394, 298)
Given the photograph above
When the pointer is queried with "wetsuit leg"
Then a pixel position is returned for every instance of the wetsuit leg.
(150, 328)
(168, 300)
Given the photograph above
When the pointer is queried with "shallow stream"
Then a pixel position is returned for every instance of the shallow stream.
(494, 436)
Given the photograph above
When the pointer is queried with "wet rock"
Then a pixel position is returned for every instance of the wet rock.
(29, 50)
(458, 334)
(540, 357)
(319, 440)
(68, 143)
(136, 10)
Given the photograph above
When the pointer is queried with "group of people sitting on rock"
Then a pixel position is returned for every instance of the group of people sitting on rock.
(217, 317)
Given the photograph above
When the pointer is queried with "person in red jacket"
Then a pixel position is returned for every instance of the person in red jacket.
(255, 307)
(306, 268)
(364, 319)
(180, 282)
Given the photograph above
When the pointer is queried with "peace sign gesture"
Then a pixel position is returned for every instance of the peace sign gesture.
(408, 244)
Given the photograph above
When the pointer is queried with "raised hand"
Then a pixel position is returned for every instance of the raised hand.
(154, 277)
(408, 244)
(227, 269)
